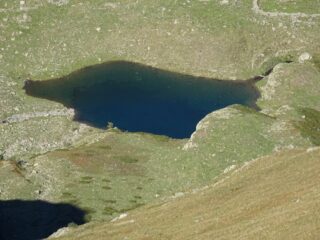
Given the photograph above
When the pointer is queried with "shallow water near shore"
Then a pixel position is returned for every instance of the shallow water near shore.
(138, 98)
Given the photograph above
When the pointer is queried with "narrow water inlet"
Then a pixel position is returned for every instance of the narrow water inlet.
(139, 98)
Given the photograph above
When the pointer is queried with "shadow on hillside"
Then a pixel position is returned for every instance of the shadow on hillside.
(30, 220)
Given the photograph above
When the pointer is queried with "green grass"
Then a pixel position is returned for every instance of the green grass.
(316, 60)
(139, 168)
(201, 38)
(196, 37)
(274, 197)
(127, 159)
(291, 6)
(310, 125)
(109, 211)
(110, 201)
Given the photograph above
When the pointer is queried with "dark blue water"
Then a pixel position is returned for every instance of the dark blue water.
(139, 98)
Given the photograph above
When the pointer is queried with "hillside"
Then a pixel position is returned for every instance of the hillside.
(274, 197)
(55, 156)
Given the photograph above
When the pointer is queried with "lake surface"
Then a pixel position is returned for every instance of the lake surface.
(138, 98)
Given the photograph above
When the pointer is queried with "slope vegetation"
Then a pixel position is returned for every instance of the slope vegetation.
(274, 197)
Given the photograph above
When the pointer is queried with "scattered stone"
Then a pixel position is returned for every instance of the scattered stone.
(38, 191)
(58, 2)
(110, 5)
(22, 5)
(25, 17)
(26, 116)
(178, 195)
(22, 163)
(305, 57)
(312, 149)
(60, 232)
(224, 2)
(230, 168)
(189, 145)
(122, 216)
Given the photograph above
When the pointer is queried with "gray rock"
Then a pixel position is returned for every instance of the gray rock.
(305, 57)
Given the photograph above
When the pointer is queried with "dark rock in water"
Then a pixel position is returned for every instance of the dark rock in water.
(139, 98)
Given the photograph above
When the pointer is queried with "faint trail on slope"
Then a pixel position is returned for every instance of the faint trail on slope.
(256, 8)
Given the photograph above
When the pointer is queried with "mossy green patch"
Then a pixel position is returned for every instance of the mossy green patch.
(127, 159)
(316, 60)
(110, 211)
(310, 125)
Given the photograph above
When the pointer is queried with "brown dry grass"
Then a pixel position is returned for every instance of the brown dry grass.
(276, 197)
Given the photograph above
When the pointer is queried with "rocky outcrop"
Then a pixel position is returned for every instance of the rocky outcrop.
(26, 116)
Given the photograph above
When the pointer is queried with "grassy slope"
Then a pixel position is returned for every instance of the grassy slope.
(122, 170)
(195, 37)
(275, 197)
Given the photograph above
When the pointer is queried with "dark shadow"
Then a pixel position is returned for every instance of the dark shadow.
(139, 98)
(30, 220)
